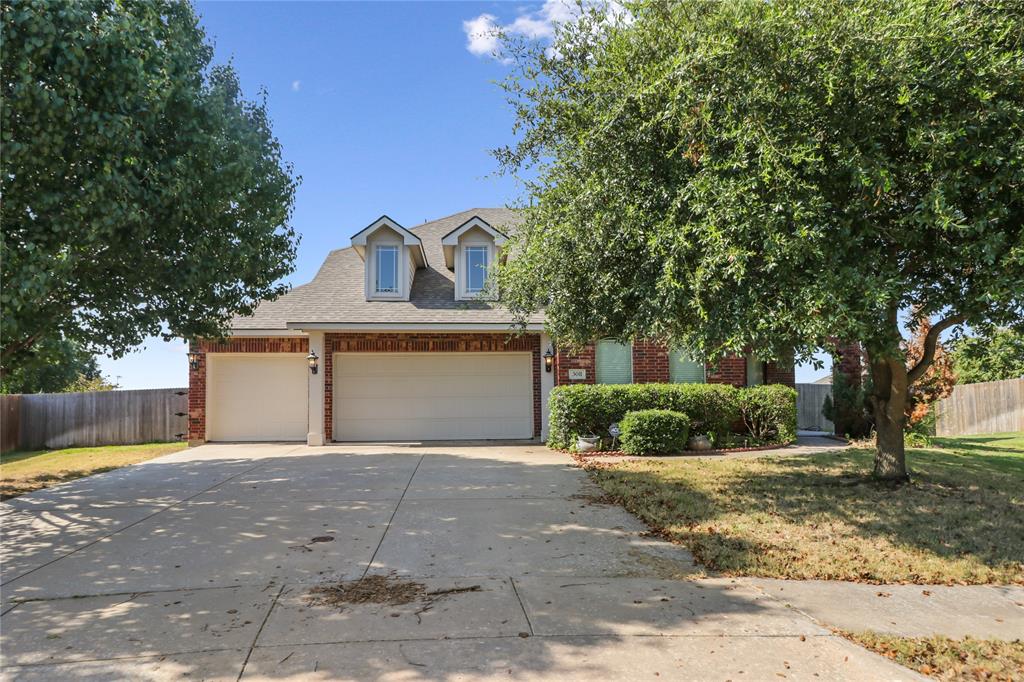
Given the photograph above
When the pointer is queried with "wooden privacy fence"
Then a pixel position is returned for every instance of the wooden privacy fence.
(809, 399)
(10, 422)
(989, 407)
(60, 420)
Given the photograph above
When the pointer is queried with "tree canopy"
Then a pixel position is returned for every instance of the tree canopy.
(142, 195)
(774, 175)
(993, 356)
(55, 365)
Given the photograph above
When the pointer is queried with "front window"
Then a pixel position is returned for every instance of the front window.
(387, 270)
(476, 268)
(683, 369)
(755, 370)
(614, 362)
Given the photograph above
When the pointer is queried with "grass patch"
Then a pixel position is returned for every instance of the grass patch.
(820, 516)
(23, 472)
(949, 659)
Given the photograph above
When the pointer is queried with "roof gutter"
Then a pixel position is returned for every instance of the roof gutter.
(414, 327)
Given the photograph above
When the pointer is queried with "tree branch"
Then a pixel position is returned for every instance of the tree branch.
(931, 341)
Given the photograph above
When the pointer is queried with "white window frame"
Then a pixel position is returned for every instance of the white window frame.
(462, 271)
(466, 250)
(371, 284)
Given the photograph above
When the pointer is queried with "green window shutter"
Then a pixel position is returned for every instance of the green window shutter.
(614, 362)
(683, 370)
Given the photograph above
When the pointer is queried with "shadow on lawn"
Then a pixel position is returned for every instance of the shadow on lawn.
(822, 516)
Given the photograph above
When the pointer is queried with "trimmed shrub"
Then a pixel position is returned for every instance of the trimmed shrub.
(582, 409)
(654, 432)
(769, 413)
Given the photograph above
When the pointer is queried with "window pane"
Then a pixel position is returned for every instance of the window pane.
(614, 362)
(476, 267)
(754, 370)
(683, 370)
(387, 269)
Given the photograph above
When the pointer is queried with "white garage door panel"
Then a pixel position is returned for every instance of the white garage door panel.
(256, 397)
(432, 396)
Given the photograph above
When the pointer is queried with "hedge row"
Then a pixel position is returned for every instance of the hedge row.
(766, 413)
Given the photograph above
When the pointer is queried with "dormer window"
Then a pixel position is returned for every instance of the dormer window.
(392, 255)
(478, 259)
(471, 250)
(387, 268)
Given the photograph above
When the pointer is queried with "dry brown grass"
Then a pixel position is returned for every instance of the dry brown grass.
(949, 659)
(961, 520)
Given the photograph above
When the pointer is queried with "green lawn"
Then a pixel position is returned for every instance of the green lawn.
(949, 659)
(960, 520)
(23, 472)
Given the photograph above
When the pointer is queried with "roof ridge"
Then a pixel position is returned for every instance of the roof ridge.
(452, 215)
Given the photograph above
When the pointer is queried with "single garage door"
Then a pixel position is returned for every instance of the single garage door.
(432, 396)
(256, 397)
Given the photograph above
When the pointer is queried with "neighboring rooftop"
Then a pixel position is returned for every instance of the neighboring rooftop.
(336, 294)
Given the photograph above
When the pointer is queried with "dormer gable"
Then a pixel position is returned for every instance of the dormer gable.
(471, 250)
(391, 255)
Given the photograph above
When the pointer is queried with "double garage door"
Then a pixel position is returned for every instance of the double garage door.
(376, 396)
(432, 396)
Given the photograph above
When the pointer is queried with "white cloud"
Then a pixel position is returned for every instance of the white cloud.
(296, 86)
(482, 33)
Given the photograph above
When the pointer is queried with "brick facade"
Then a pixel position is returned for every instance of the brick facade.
(238, 344)
(583, 360)
(427, 343)
(850, 362)
(731, 369)
(651, 365)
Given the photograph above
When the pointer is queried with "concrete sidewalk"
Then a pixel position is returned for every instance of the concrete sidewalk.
(983, 611)
(199, 565)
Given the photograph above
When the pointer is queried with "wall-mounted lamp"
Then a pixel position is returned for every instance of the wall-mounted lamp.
(549, 359)
(312, 360)
(193, 359)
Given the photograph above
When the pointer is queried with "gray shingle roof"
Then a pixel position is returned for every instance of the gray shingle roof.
(336, 293)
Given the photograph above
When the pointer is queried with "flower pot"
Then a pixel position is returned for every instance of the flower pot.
(699, 443)
(587, 443)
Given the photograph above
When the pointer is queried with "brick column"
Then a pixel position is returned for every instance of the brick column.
(650, 363)
(731, 369)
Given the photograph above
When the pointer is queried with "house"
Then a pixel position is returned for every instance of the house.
(394, 340)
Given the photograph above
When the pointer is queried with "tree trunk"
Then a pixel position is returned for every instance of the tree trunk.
(889, 398)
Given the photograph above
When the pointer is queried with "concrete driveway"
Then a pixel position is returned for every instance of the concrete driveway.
(198, 565)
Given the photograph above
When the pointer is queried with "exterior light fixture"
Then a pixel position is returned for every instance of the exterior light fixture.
(193, 359)
(549, 359)
(312, 360)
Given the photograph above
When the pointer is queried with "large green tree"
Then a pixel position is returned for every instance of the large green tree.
(724, 175)
(993, 356)
(55, 365)
(142, 195)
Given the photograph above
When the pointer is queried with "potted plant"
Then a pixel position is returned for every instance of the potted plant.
(699, 442)
(587, 442)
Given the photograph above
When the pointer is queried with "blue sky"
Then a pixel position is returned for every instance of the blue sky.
(382, 107)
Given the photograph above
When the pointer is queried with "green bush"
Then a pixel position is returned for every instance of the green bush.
(847, 408)
(581, 409)
(912, 439)
(654, 432)
(769, 413)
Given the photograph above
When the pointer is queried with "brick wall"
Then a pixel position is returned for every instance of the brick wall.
(850, 362)
(731, 369)
(583, 360)
(426, 343)
(650, 363)
(239, 344)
